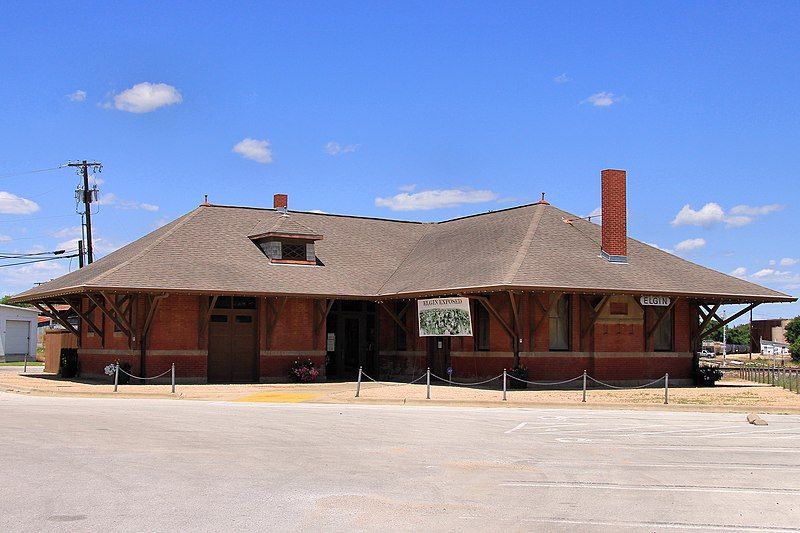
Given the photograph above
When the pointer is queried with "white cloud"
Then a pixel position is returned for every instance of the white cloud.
(255, 150)
(690, 244)
(739, 272)
(712, 214)
(11, 204)
(63, 233)
(77, 96)
(708, 215)
(111, 199)
(654, 245)
(562, 78)
(4, 238)
(100, 245)
(789, 261)
(596, 213)
(435, 199)
(146, 97)
(772, 262)
(602, 99)
(407, 188)
(333, 148)
(755, 211)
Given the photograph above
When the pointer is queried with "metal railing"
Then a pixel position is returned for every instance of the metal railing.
(787, 378)
(585, 378)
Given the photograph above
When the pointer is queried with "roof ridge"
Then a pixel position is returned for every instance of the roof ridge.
(426, 230)
(533, 226)
(147, 248)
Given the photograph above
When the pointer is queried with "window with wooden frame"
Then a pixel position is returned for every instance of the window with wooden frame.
(290, 251)
(663, 336)
(560, 324)
(481, 328)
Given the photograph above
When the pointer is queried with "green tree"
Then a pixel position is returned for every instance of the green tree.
(739, 335)
(5, 301)
(716, 336)
(793, 330)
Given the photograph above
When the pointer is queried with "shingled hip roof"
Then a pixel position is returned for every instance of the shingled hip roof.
(535, 247)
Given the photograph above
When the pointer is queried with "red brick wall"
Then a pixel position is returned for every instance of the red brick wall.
(614, 231)
(175, 324)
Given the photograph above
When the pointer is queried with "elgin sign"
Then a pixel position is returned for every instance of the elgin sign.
(661, 301)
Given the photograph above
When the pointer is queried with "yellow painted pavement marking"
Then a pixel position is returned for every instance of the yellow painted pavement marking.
(278, 397)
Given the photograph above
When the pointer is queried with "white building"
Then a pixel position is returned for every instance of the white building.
(774, 348)
(17, 333)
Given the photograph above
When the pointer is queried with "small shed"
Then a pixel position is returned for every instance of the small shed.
(17, 332)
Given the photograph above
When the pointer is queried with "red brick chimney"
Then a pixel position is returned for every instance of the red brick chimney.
(614, 206)
(280, 201)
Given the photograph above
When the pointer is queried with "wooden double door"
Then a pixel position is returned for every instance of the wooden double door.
(232, 346)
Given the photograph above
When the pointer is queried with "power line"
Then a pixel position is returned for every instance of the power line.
(14, 255)
(38, 260)
(15, 174)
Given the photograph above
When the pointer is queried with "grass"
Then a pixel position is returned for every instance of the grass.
(22, 363)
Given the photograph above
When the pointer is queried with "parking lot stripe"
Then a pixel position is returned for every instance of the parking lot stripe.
(648, 488)
(659, 525)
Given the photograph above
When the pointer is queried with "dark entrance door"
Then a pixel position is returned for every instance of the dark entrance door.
(439, 355)
(352, 325)
(233, 341)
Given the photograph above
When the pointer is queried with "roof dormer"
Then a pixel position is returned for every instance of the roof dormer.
(286, 240)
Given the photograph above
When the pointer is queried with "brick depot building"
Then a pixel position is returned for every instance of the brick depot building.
(236, 294)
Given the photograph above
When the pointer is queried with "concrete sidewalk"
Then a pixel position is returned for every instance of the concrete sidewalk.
(730, 395)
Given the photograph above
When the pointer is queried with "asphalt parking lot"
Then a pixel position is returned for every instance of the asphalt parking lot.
(79, 464)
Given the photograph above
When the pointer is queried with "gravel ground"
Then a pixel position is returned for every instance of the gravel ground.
(729, 394)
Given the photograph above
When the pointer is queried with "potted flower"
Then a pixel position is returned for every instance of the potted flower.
(303, 371)
(519, 372)
(111, 369)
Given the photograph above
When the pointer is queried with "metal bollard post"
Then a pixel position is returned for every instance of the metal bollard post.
(25, 368)
(666, 388)
(428, 382)
(116, 376)
(584, 387)
(358, 385)
(504, 384)
(173, 378)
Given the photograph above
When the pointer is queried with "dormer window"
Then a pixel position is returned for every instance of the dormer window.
(289, 251)
(286, 241)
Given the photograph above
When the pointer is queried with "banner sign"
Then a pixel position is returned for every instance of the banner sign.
(444, 317)
(661, 301)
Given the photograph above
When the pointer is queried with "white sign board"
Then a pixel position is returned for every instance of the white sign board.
(444, 317)
(331, 344)
(661, 301)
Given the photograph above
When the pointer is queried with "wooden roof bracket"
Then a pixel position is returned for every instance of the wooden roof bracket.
(396, 317)
(53, 313)
(720, 325)
(595, 312)
(488, 306)
(85, 317)
(109, 314)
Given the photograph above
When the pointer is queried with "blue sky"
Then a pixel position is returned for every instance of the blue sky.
(380, 109)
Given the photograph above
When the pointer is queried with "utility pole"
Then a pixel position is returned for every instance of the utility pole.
(86, 196)
(724, 337)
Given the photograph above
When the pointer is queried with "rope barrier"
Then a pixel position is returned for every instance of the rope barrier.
(465, 383)
(623, 388)
(386, 384)
(118, 369)
(138, 377)
(546, 382)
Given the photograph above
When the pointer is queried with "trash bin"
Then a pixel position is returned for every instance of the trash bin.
(69, 363)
